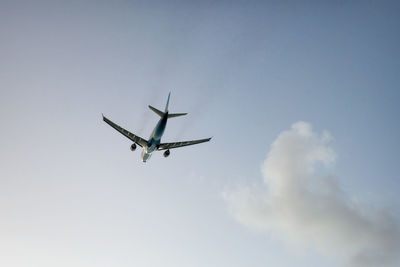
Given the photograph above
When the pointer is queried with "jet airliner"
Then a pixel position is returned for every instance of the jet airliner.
(154, 142)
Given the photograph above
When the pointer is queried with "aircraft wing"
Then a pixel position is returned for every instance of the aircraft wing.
(180, 144)
(138, 140)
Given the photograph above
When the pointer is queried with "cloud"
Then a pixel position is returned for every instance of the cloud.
(307, 206)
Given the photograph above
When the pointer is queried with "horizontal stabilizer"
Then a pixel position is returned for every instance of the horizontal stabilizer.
(173, 115)
(158, 112)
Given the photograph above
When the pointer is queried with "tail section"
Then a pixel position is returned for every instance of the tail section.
(158, 112)
(161, 114)
(166, 106)
(173, 115)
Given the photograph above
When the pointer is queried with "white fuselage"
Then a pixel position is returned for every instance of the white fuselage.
(155, 138)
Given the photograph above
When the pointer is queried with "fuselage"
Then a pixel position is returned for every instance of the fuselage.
(155, 137)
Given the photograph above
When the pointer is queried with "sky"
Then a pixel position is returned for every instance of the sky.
(300, 97)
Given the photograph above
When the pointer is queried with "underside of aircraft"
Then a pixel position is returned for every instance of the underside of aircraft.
(154, 142)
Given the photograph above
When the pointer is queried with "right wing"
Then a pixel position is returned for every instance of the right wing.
(140, 141)
(180, 144)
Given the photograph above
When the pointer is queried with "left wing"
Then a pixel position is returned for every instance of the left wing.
(180, 144)
(138, 140)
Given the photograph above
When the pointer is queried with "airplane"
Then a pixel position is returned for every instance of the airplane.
(154, 142)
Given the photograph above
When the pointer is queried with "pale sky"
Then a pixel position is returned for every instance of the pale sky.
(73, 194)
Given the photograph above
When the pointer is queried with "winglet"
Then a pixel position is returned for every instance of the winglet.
(166, 106)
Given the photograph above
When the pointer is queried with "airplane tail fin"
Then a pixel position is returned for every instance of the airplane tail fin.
(166, 106)
(161, 114)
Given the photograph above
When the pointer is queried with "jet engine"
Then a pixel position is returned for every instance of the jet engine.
(133, 147)
(166, 153)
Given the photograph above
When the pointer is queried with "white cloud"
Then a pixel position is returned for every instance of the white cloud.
(308, 207)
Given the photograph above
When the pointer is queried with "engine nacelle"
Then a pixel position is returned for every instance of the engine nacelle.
(133, 147)
(166, 153)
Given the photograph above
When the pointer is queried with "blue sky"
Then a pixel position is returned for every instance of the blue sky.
(71, 191)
